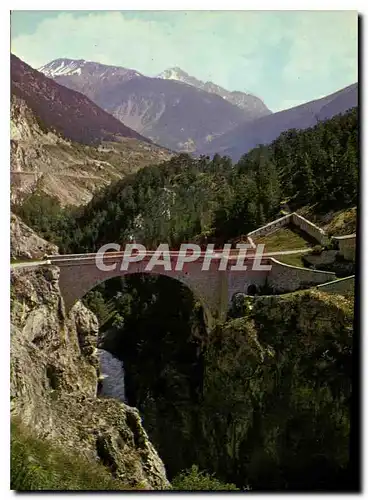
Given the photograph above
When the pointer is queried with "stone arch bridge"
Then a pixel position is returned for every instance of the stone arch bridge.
(213, 287)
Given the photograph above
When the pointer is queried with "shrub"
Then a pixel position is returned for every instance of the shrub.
(41, 465)
(193, 479)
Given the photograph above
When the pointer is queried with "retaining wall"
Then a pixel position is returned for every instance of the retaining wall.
(239, 282)
(311, 229)
(343, 286)
(270, 227)
(295, 219)
(285, 278)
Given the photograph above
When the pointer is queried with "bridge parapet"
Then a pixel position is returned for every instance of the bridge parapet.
(214, 286)
(286, 278)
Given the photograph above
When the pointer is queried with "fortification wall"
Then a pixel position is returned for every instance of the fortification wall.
(285, 278)
(270, 227)
(343, 286)
(297, 220)
(346, 245)
(311, 229)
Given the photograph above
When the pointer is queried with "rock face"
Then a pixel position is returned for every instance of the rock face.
(265, 398)
(279, 382)
(54, 376)
(44, 162)
(25, 243)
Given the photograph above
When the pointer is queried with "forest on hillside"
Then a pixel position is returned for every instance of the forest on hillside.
(190, 199)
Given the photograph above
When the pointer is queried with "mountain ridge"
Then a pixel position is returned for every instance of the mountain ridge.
(170, 112)
(44, 160)
(66, 111)
(64, 66)
(264, 130)
(246, 101)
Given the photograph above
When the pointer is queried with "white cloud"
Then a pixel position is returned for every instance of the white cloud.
(210, 38)
(279, 55)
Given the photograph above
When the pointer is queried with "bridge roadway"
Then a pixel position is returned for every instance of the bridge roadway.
(217, 254)
(74, 258)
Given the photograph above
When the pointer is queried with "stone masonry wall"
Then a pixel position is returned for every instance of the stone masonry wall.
(285, 278)
(311, 229)
(295, 219)
(213, 288)
(238, 282)
(210, 287)
(270, 227)
(343, 286)
(346, 246)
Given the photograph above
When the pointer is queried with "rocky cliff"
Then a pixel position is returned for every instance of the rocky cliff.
(54, 377)
(43, 161)
(262, 401)
(25, 243)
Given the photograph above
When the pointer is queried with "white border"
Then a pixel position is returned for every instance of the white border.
(5, 184)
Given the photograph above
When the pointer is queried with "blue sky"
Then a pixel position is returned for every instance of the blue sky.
(284, 57)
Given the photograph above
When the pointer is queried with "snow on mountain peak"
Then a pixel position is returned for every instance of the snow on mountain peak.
(62, 67)
(173, 74)
(68, 67)
(246, 101)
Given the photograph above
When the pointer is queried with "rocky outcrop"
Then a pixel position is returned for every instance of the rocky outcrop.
(43, 161)
(265, 404)
(54, 377)
(25, 243)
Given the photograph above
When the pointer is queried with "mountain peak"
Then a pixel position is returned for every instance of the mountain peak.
(80, 67)
(62, 66)
(254, 106)
(174, 73)
(71, 114)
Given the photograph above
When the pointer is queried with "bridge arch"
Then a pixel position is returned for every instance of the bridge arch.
(76, 280)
